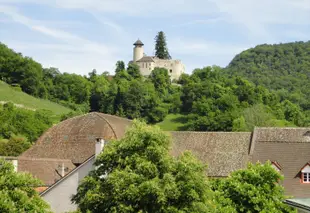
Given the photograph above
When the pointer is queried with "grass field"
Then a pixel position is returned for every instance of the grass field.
(21, 99)
(173, 122)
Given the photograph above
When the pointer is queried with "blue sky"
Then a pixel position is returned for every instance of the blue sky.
(79, 35)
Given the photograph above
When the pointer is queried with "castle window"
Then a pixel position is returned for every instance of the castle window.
(305, 174)
(170, 71)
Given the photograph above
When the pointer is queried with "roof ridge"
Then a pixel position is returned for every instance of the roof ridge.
(99, 115)
(43, 159)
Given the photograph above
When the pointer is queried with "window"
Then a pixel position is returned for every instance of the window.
(305, 174)
(145, 65)
(306, 177)
(170, 71)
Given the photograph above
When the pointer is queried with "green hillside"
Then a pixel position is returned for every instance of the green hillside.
(21, 99)
(284, 68)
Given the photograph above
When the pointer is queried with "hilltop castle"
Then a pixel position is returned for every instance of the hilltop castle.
(148, 63)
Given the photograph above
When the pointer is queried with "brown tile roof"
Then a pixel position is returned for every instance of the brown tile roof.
(146, 59)
(224, 152)
(289, 147)
(46, 169)
(74, 138)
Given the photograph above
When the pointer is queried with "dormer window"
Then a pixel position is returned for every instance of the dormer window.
(276, 166)
(306, 177)
(305, 174)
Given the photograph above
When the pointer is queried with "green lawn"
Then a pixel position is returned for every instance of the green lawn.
(7, 93)
(172, 122)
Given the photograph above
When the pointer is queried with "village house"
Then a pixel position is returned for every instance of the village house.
(65, 154)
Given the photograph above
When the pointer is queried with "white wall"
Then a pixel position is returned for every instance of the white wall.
(59, 197)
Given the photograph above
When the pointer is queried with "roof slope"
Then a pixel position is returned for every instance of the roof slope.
(290, 147)
(147, 59)
(45, 169)
(74, 138)
(224, 152)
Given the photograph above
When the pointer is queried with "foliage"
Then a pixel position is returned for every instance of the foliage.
(14, 146)
(284, 68)
(120, 66)
(17, 193)
(23, 100)
(161, 49)
(16, 121)
(137, 174)
(255, 189)
(263, 86)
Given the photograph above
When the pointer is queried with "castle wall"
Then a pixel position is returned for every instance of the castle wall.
(146, 67)
(175, 67)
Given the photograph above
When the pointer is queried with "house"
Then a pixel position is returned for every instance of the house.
(74, 144)
(148, 63)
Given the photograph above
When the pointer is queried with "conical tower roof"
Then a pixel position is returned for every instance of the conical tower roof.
(138, 42)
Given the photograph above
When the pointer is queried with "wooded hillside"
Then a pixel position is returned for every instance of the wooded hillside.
(263, 86)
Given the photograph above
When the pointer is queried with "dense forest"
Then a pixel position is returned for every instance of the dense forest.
(263, 86)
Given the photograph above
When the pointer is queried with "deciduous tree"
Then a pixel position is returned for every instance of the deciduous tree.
(137, 174)
(17, 192)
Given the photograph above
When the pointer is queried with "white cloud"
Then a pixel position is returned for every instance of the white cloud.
(72, 54)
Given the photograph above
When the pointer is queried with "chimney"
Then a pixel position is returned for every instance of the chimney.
(15, 164)
(62, 170)
(99, 146)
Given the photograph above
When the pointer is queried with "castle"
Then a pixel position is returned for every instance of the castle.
(148, 63)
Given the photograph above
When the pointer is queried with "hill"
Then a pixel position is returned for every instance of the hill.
(284, 68)
(23, 100)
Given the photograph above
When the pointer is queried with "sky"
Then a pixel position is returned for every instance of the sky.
(77, 36)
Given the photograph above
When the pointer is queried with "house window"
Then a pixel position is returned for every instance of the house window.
(306, 177)
(305, 174)
(145, 65)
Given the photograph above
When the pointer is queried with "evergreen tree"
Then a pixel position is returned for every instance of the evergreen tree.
(120, 66)
(161, 50)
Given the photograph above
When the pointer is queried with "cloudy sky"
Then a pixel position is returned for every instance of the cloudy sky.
(79, 35)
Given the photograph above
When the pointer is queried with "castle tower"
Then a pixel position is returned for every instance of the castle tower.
(138, 50)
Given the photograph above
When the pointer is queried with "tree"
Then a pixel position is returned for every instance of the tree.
(254, 189)
(120, 66)
(137, 174)
(134, 70)
(161, 80)
(15, 146)
(161, 49)
(17, 193)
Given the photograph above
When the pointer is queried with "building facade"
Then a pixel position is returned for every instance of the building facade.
(148, 63)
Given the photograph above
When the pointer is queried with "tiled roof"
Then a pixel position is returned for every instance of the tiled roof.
(74, 138)
(146, 59)
(223, 152)
(47, 170)
(290, 147)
